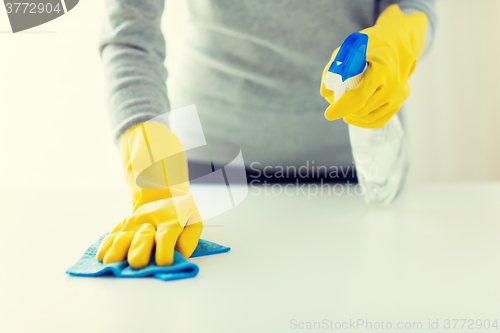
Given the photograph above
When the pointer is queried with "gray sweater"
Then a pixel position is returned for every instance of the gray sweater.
(252, 68)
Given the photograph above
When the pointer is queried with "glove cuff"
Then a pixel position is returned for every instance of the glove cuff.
(154, 163)
(411, 28)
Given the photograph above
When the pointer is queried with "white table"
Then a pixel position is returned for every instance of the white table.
(434, 254)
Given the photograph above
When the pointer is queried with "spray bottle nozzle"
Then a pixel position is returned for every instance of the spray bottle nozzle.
(349, 63)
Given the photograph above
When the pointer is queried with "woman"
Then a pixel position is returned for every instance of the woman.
(252, 68)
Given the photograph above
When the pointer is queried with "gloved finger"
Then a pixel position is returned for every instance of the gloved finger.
(380, 97)
(379, 123)
(118, 250)
(355, 99)
(188, 239)
(166, 238)
(108, 241)
(351, 121)
(374, 115)
(118, 227)
(105, 245)
(141, 246)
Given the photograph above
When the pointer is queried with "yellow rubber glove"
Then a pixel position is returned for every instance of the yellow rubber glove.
(164, 213)
(394, 44)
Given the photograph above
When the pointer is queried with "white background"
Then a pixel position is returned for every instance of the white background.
(54, 130)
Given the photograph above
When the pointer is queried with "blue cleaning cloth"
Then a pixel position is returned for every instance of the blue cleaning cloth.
(180, 268)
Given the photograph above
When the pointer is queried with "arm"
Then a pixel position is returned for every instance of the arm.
(132, 48)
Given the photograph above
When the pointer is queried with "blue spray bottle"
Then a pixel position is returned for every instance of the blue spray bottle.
(380, 155)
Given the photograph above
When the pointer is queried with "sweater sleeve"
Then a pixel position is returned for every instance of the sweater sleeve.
(133, 51)
(413, 6)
